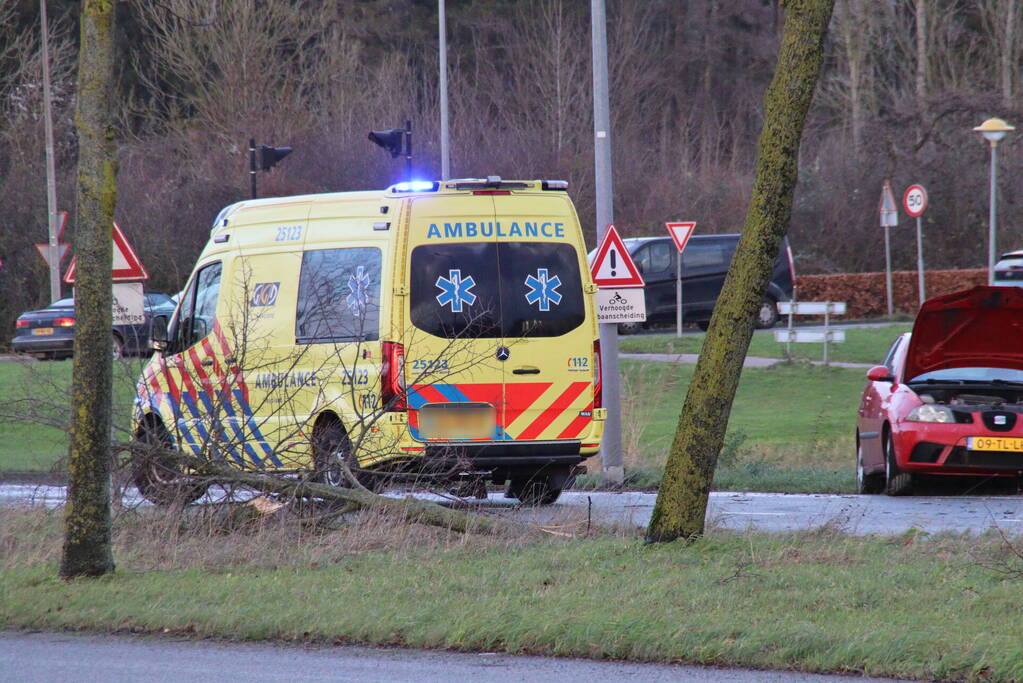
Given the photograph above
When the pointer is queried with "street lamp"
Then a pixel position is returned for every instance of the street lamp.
(993, 130)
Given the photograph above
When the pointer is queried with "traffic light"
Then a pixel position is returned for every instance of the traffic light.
(269, 156)
(389, 140)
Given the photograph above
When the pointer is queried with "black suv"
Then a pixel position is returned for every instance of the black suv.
(704, 264)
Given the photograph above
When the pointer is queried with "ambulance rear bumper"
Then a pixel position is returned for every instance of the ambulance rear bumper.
(507, 454)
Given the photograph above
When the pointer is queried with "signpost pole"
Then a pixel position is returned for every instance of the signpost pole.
(611, 443)
(920, 259)
(678, 296)
(888, 267)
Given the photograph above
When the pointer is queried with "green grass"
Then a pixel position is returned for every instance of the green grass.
(861, 345)
(791, 428)
(34, 395)
(912, 606)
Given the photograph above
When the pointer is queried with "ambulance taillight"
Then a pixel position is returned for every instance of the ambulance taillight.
(598, 399)
(392, 377)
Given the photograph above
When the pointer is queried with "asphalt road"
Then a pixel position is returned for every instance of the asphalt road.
(32, 657)
(772, 512)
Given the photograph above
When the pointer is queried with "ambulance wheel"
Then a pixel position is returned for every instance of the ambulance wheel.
(538, 491)
(704, 325)
(117, 347)
(157, 476)
(331, 448)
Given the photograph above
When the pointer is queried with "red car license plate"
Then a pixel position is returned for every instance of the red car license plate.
(994, 443)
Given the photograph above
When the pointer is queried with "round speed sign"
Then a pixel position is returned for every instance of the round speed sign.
(915, 200)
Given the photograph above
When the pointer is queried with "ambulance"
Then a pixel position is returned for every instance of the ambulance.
(443, 330)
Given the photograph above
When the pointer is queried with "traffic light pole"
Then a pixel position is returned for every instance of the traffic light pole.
(252, 165)
(408, 151)
(611, 443)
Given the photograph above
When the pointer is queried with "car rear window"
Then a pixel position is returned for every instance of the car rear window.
(487, 289)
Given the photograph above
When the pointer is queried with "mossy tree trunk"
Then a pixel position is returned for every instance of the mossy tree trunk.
(87, 513)
(681, 508)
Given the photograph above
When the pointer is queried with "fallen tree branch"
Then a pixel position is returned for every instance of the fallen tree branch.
(408, 508)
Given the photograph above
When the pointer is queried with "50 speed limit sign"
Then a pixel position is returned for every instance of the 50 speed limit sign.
(915, 200)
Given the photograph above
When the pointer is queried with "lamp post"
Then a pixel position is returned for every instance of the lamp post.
(993, 130)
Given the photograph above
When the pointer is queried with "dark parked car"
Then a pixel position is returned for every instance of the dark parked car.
(704, 264)
(50, 332)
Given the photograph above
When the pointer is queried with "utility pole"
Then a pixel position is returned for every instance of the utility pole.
(445, 149)
(611, 444)
(51, 180)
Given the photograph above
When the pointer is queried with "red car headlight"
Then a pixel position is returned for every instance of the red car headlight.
(928, 412)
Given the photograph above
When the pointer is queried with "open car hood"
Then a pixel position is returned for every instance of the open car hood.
(979, 327)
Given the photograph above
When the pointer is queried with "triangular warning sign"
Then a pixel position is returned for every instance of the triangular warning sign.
(612, 266)
(889, 212)
(126, 266)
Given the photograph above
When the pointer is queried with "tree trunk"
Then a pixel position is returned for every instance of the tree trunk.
(681, 508)
(922, 58)
(87, 512)
(1007, 58)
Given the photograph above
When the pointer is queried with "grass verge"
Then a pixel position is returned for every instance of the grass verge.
(932, 608)
(791, 428)
(34, 399)
(861, 345)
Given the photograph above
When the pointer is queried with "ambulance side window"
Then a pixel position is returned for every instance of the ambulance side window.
(198, 308)
(339, 296)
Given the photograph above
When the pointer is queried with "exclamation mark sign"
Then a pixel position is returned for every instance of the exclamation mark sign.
(614, 263)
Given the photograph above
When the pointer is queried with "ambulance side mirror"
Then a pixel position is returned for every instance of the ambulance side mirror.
(158, 333)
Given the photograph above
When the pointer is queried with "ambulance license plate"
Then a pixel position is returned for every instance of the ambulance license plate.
(43, 330)
(994, 443)
(447, 421)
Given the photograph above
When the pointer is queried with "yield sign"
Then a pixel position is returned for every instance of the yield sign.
(680, 234)
(612, 266)
(126, 264)
(62, 247)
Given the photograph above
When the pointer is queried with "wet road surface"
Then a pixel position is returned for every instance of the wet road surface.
(775, 512)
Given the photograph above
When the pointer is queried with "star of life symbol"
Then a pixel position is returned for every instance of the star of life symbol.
(455, 291)
(358, 298)
(543, 291)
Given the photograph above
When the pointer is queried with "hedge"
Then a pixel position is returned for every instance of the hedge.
(865, 292)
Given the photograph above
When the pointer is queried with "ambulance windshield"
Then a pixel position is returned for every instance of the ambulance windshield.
(502, 289)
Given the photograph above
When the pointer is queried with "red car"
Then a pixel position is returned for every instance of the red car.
(948, 399)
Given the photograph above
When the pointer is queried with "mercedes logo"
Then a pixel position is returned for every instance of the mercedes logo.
(503, 353)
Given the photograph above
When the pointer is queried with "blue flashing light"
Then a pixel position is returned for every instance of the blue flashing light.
(416, 186)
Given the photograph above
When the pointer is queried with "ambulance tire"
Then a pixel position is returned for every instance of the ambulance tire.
(332, 447)
(533, 492)
(156, 475)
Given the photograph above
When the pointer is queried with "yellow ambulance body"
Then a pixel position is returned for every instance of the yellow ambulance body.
(439, 328)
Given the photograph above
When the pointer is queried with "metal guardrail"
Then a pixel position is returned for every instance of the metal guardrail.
(825, 336)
